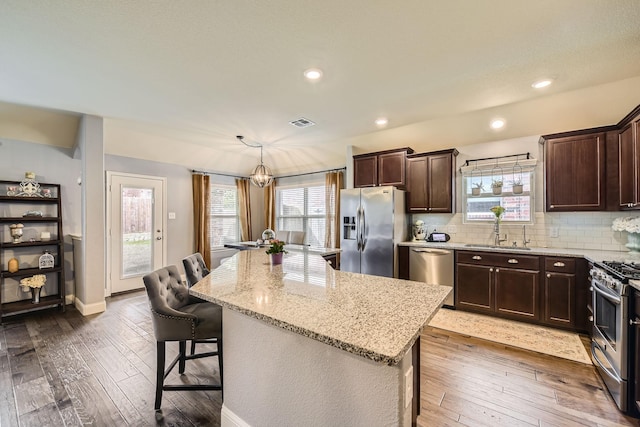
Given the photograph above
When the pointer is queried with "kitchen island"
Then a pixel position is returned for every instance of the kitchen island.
(305, 344)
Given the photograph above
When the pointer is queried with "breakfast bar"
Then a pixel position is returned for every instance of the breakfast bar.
(305, 344)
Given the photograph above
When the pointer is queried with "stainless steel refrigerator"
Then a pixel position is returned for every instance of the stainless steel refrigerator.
(373, 222)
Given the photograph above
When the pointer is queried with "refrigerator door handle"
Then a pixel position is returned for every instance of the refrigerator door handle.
(358, 244)
(363, 229)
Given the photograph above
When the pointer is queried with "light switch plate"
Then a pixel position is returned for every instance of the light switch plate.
(172, 215)
(553, 232)
(408, 386)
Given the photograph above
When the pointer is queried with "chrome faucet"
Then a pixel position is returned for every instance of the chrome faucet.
(496, 230)
(525, 242)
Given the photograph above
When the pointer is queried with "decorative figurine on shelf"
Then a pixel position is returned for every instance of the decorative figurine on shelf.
(13, 265)
(16, 232)
(46, 260)
(34, 284)
(29, 187)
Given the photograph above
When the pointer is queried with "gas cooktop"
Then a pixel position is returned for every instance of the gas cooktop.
(622, 270)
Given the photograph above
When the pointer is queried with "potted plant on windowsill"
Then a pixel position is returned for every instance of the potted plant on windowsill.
(517, 187)
(477, 188)
(276, 251)
(496, 187)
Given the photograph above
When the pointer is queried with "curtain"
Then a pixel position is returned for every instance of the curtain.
(201, 210)
(333, 184)
(244, 212)
(270, 206)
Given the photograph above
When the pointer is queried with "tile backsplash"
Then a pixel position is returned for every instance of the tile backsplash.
(571, 230)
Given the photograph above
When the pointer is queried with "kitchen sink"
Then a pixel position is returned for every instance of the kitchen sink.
(480, 245)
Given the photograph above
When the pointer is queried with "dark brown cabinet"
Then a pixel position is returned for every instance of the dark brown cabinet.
(507, 285)
(431, 182)
(559, 292)
(403, 262)
(575, 176)
(332, 260)
(381, 168)
(628, 166)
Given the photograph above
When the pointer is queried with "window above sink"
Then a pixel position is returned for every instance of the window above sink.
(503, 184)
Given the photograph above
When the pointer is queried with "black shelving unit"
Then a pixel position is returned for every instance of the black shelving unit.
(51, 222)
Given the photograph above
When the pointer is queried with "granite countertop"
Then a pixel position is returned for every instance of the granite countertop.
(589, 254)
(374, 317)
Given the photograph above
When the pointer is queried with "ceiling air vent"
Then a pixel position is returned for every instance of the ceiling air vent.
(302, 123)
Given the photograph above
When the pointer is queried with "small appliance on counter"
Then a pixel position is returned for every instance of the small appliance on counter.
(438, 237)
(419, 231)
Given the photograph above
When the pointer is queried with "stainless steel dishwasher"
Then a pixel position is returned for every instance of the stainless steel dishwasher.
(432, 266)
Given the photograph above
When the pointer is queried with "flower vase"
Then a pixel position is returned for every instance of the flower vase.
(35, 295)
(276, 259)
(633, 242)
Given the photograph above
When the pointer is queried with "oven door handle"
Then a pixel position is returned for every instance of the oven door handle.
(607, 295)
(609, 372)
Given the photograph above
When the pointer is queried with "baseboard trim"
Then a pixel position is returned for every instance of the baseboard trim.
(69, 299)
(229, 419)
(89, 309)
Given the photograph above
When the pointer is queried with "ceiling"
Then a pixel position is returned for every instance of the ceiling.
(177, 81)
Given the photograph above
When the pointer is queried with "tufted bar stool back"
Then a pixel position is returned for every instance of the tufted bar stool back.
(195, 269)
(177, 316)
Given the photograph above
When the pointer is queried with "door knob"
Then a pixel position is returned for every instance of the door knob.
(158, 238)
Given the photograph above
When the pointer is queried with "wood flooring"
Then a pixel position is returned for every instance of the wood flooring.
(63, 369)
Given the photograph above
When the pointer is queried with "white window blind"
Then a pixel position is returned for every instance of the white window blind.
(302, 208)
(224, 225)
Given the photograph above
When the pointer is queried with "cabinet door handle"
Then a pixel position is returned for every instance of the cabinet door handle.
(551, 206)
(634, 322)
(476, 257)
(491, 270)
(549, 275)
(512, 261)
(497, 270)
(558, 264)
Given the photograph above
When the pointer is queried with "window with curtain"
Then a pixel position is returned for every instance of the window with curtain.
(302, 208)
(224, 224)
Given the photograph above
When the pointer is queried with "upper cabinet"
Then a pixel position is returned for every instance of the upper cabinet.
(594, 169)
(431, 182)
(629, 164)
(381, 168)
(575, 178)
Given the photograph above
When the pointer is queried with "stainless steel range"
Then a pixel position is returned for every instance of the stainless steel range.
(610, 335)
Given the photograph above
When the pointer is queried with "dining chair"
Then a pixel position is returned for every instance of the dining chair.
(296, 237)
(282, 235)
(195, 269)
(177, 316)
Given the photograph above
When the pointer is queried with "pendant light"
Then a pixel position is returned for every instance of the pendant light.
(261, 175)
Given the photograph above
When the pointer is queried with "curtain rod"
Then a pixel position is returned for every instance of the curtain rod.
(313, 173)
(285, 176)
(216, 173)
(528, 156)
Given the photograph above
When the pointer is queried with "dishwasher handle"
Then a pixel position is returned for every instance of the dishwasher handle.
(432, 251)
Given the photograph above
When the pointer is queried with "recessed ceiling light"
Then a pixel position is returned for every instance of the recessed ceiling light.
(382, 121)
(313, 74)
(497, 123)
(541, 83)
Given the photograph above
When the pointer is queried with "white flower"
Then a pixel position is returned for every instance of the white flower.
(629, 224)
(36, 281)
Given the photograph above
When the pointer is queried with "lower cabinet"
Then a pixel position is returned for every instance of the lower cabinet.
(559, 292)
(502, 284)
(332, 259)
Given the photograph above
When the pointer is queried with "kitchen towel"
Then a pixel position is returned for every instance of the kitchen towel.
(517, 334)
